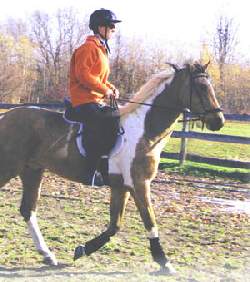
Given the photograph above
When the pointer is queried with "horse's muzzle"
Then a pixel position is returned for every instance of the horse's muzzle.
(214, 123)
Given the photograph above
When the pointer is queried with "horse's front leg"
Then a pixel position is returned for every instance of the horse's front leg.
(118, 201)
(142, 198)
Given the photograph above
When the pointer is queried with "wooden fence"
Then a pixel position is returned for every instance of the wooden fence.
(185, 134)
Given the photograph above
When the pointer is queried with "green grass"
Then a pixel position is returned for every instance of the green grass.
(220, 150)
(205, 170)
(217, 149)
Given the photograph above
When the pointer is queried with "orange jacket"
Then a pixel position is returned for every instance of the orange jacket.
(89, 71)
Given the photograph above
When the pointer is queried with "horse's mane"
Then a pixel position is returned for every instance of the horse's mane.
(146, 90)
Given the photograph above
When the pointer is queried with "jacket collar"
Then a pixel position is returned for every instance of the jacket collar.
(97, 40)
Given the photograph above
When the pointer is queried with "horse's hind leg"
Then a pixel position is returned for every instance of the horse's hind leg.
(31, 179)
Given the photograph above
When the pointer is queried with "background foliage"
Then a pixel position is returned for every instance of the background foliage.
(35, 56)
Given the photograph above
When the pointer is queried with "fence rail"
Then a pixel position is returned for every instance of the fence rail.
(211, 137)
(208, 160)
(185, 134)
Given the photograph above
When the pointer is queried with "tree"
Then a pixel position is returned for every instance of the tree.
(238, 88)
(224, 45)
(206, 55)
(56, 37)
(14, 27)
(133, 63)
(16, 68)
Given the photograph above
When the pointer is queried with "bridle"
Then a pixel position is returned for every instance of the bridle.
(195, 116)
(194, 86)
(188, 114)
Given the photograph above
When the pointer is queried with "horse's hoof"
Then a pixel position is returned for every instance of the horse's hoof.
(168, 269)
(79, 252)
(50, 260)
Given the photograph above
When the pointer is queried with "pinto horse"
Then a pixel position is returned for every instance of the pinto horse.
(35, 139)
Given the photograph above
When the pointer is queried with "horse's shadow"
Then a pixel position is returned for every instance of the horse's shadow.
(43, 271)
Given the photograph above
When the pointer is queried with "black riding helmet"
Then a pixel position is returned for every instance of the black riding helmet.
(102, 17)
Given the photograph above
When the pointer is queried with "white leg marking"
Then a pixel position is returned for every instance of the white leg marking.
(38, 240)
(168, 268)
(153, 233)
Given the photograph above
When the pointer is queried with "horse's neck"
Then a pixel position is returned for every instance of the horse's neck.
(154, 123)
(159, 121)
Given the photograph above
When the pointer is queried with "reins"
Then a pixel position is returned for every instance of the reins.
(147, 104)
(187, 113)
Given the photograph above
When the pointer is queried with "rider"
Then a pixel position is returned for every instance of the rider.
(89, 87)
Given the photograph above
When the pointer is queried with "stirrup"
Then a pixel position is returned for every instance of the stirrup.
(97, 180)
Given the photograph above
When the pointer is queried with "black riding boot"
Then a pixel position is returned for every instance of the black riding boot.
(104, 170)
(93, 178)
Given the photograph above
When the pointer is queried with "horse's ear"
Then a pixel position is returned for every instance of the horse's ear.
(174, 66)
(206, 65)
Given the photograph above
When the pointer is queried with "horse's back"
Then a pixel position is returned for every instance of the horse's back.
(28, 119)
(21, 132)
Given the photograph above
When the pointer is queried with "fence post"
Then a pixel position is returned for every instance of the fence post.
(183, 149)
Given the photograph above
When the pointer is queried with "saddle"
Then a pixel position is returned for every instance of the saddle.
(71, 116)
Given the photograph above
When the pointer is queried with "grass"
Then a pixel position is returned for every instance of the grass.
(205, 170)
(239, 152)
(217, 149)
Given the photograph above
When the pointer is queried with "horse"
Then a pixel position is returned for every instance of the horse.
(35, 139)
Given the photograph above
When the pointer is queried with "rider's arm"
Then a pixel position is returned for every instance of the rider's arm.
(85, 59)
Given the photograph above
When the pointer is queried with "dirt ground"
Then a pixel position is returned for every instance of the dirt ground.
(204, 228)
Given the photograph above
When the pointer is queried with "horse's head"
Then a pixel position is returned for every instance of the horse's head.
(196, 93)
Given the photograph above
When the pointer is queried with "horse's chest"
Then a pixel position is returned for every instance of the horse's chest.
(137, 161)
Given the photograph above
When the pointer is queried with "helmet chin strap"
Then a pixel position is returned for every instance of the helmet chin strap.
(105, 40)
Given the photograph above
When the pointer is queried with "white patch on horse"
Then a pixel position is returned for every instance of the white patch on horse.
(38, 239)
(133, 125)
(1, 117)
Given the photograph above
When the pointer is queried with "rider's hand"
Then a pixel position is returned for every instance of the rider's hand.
(112, 93)
(109, 93)
(116, 93)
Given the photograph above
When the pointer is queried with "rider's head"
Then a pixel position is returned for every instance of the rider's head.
(103, 22)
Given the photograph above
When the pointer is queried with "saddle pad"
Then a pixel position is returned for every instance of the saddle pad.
(115, 150)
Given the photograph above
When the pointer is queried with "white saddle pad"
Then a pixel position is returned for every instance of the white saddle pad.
(115, 150)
